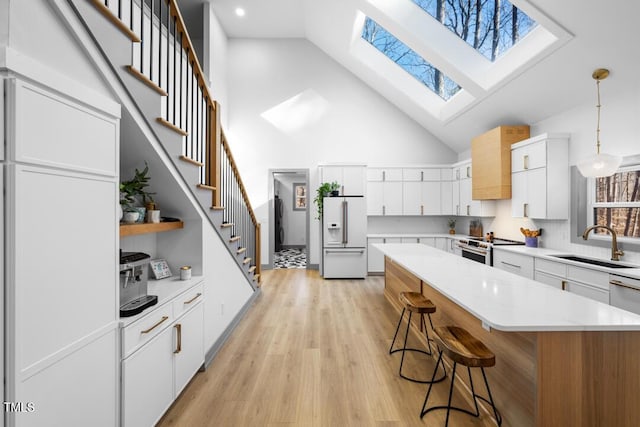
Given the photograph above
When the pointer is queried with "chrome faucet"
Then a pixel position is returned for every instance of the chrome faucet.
(615, 252)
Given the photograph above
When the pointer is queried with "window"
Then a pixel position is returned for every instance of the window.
(615, 202)
(408, 59)
(476, 22)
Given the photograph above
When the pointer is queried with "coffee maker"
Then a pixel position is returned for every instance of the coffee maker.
(134, 274)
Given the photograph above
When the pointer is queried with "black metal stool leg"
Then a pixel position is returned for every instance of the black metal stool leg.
(397, 329)
(404, 348)
(495, 410)
(453, 379)
(426, 398)
(473, 392)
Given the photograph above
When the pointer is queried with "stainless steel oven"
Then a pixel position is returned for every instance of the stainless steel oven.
(475, 250)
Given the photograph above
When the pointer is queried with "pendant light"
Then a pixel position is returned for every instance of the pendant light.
(600, 164)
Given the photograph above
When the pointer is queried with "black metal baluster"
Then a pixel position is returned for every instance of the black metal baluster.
(151, 12)
(160, 44)
(142, 36)
(181, 82)
(119, 8)
(186, 123)
(175, 90)
(168, 59)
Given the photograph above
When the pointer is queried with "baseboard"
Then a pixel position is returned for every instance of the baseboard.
(215, 348)
(313, 266)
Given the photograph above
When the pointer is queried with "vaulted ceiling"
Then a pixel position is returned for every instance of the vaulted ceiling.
(591, 34)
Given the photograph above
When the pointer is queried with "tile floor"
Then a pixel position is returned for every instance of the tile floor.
(290, 258)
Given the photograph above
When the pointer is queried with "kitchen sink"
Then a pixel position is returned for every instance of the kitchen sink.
(592, 261)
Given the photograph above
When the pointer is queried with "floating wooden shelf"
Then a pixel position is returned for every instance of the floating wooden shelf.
(143, 228)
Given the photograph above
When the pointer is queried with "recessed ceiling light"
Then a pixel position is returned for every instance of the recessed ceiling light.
(240, 11)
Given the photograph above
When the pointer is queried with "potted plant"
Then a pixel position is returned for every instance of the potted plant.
(325, 189)
(133, 193)
(452, 225)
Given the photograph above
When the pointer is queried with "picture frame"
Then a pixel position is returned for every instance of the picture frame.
(299, 196)
(160, 268)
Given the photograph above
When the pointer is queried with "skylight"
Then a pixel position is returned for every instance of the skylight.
(475, 23)
(408, 59)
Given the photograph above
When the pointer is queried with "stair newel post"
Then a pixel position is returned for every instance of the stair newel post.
(215, 136)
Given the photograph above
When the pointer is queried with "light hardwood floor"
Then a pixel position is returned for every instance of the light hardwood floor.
(314, 352)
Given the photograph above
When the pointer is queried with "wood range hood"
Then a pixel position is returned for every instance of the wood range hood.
(491, 161)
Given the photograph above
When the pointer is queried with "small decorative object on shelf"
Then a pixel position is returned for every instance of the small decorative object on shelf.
(160, 268)
(185, 272)
(326, 189)
(452, 225)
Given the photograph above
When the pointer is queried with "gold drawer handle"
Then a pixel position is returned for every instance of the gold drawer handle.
(198, 295)
(146, 331)
(179, 344)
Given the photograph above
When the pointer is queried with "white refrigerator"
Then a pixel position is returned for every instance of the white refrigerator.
(344, 236)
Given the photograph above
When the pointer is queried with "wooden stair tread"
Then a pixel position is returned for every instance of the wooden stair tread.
(241, 251)
(234, 239)
(462, 347)
(227, 224)
(252, 269)
(256, 278)
(416, 302)
(206, 187)
(172, 126)
(217, 208)
(106, 12)
(144, 79)
(192, 161)
(246, 260)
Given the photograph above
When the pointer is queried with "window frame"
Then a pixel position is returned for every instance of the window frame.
(592, 205)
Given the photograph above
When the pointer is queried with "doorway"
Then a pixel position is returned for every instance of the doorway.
(289, 218)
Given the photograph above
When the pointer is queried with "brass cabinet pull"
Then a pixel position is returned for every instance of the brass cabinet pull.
(421, 209)
(524, 210)
(564, 285)
(468, 171)
(384, 175)
(525, 161)
(198, 295)
(178, 349)
(468, 210)
(384, 211)
(622, 284)
(146, 331)
(421, 179)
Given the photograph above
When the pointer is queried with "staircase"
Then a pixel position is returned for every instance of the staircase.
(148, 47)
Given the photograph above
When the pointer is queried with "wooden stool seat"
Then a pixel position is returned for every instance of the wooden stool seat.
(416, 302)
(463, 348)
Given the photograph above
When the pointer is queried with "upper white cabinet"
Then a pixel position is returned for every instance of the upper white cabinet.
(352, 178)
(421, 191)
(463, 203)
(384, 191)
(540, 177)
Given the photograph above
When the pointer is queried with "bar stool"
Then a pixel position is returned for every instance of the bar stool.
(415, 302)
(463, 348)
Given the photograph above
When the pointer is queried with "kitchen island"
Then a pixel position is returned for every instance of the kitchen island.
(561, 359)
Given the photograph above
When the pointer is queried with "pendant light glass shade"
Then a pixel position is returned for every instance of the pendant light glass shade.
(600, 164)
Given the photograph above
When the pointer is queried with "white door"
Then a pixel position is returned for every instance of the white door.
(412, 198)
(354, 180)
(537, 193)
(189, 347)
(392, 198)
(375, 197)
(356, 222)
(430, 198)
(518, 193)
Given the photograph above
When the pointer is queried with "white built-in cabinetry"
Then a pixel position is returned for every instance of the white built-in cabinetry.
(384, 191)
(540, 177)
(375, 258)
(421, 191)
(351, 178)
(463, 204)
(519, 264)
(61, 257)
(587, 282)
(162, 349)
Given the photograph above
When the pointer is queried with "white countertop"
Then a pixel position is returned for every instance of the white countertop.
(546, 253)
(503, 300)
(165, 289)
(409, 235)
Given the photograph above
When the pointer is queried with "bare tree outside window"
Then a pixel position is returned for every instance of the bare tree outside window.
(617, 202)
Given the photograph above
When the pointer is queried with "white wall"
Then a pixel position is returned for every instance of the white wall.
(293, 221)
(337, 119)
(620, 135)
(214, 62)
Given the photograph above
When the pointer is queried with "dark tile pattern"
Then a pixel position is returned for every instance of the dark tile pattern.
(290, 258)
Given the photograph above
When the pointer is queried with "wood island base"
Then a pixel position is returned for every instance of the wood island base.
(544, 378)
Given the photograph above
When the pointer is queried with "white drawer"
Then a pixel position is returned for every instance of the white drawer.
(588, 276)
(552, 267)
(549, 279)
(188, 300)
(141, 331)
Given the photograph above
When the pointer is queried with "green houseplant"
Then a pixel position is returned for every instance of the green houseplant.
(133, 191)
(452, 225)
(325, 189)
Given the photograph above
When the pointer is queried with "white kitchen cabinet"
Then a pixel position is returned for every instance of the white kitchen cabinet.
(61, 263)
(461, 193)
(384, 198)
(540, 177)
(519, 264)
(156, 368)
(587, 282)
(375, 258)
(421, 174)
(384, 174)
(352, 178)
(421, 198)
